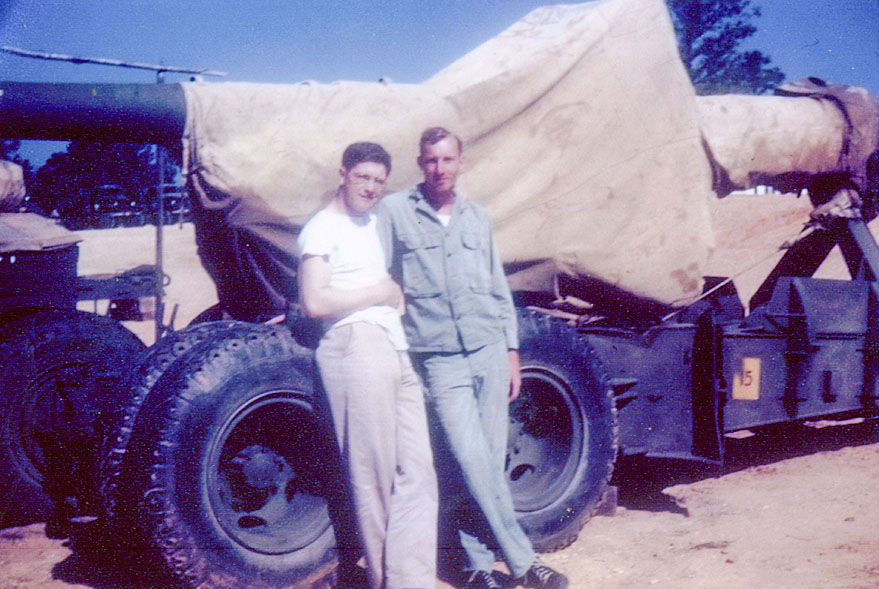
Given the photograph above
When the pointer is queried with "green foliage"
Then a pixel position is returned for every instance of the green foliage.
(8, 149)
(709, 35)
(9, 152)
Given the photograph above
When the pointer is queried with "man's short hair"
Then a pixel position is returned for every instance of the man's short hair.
(434, 135)
(364, 151)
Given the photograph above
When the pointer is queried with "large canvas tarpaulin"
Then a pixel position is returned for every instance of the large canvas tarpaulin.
(788, 142)
(755, 138)
(585, 141)
(580, 128)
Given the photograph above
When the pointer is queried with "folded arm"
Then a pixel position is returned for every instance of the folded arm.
(320, 300)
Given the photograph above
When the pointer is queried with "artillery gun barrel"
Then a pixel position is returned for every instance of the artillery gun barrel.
(136, 113)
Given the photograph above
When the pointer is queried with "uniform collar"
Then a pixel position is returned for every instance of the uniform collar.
(421, 204)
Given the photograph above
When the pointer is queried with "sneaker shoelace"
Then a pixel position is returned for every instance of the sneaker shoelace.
(486, 578)
(542, 573)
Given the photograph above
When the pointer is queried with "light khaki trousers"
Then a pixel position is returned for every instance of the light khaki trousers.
(467, 394)
(377, 405)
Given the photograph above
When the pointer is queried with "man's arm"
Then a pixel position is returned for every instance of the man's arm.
(515, 375)
(320, 300)
(510, 323)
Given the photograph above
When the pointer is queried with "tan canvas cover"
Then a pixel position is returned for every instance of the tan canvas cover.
(31, 232)
(580, 126)
(753, 138)
(779, 140)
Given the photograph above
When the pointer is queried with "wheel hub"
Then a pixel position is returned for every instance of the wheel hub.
(546, 436)
(260, 468)
(265, 495)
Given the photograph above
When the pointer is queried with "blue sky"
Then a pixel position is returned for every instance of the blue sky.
(269, 41)
(837, 40)
(285, 41)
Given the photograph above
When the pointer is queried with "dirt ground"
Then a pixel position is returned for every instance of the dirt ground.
(189, 290)
(796, 507)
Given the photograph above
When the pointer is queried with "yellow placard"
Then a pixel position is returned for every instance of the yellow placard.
(746, 384)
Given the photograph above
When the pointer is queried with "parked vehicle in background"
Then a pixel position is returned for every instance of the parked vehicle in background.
(111, 206)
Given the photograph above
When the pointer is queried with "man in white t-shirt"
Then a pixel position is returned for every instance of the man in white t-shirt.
(374, 394)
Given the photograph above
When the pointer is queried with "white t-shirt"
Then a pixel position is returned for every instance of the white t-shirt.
(354, 251)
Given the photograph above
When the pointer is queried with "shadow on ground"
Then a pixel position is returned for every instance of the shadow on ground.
(641, 481)
(104, 559)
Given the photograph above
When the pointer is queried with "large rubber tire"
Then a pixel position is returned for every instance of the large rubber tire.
(563, 436)
(61, 373)
(231, 466)
(212, 313)
(151, 366)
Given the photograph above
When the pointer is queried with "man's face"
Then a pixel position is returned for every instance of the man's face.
(441, 163)
(362, 186)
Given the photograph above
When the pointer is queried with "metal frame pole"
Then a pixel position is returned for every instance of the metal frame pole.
(160, 222)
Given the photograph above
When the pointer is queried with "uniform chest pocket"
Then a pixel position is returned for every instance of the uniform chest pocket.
(473, 240)
(475, 259)
(422, 263)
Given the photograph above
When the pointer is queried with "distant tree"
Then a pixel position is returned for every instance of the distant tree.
(9, 151)
(709, 34)
(66, 181)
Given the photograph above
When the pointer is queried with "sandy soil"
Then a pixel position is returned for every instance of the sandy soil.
(798, 509)
(189, 290)
(793, 508)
